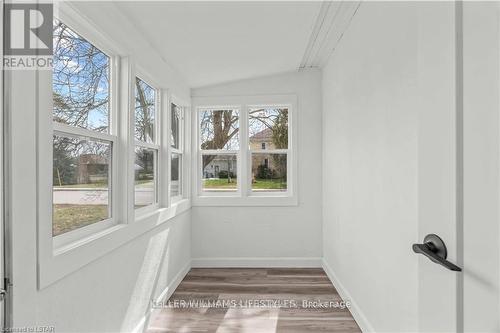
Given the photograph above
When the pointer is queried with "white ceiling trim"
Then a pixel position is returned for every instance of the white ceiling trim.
(333, 20)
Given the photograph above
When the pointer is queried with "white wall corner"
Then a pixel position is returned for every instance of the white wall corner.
(355, 309)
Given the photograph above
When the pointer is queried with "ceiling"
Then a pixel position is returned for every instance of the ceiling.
(216, 42)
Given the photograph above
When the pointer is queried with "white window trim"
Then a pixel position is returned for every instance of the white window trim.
(200, 193)
(182, 147)
(58, 260)
(155, 145)
(244, 196)
(117, 175)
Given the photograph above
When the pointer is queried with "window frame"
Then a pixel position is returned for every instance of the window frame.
(288, 152)
(173, 100)
(245, 196)
(155, 145)
(58, 259)
(112, 136)
(200, 152)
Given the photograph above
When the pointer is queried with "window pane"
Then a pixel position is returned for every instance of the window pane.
(268, 128)
(80, 81)
(81, 177)
(175, 175)
(269, 172)
(175, 126)
(144, 111)
(219, 129)
(145, 177)
(219, 173)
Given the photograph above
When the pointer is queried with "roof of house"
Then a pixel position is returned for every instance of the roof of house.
(264, 134)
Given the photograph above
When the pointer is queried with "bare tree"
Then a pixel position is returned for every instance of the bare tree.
(274, 119)
(218, 129)
(144, 111)
(80, 98)
(80, 81)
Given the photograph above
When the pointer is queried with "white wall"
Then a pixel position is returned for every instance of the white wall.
(252, 235)
(111, 293)
(370, 165)
(114, 293)
(482, 167)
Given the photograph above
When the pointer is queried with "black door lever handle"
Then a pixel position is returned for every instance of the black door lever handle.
(435, 249)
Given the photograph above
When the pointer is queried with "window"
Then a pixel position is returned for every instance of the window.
(219, 149)
(104, 145)
(268, 126)
(146, 146)
(83, 140)
(176, 151)
(245, 151)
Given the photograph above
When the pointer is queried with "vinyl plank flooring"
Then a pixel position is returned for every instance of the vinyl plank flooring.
(257, 300)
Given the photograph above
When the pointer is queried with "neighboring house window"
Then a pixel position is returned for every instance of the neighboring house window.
(269, 164)
(176, 151)
(146, 145)
(219, 148)
(83, 139)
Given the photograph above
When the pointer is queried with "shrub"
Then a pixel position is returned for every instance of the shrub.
(225, 174)
(263, 172)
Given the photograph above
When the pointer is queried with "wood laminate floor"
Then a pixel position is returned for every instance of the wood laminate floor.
(253, 300)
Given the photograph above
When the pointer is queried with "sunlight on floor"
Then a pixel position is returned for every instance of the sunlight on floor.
(249, 321)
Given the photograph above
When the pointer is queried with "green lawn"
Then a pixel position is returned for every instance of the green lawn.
(220, 183)
(144, 183)
(71, 217)
(269, 184)
(259, 184)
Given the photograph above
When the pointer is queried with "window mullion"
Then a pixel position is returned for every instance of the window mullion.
(167, 109)
(117, 187)
(128, 123)
(160, 156)
(244, 172)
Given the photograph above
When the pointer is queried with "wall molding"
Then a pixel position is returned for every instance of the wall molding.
(164, 295)
(256, 262)
(355, 309)
(332, 21)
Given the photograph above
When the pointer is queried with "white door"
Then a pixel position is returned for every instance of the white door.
(2, 300)
(459, 167)
(481, 172)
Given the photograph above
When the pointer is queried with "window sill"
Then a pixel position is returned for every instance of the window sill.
(54, 264)
(250, 201)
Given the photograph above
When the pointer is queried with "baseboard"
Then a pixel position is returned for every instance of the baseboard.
(256, 262)
(165, 294)
(356, 311)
